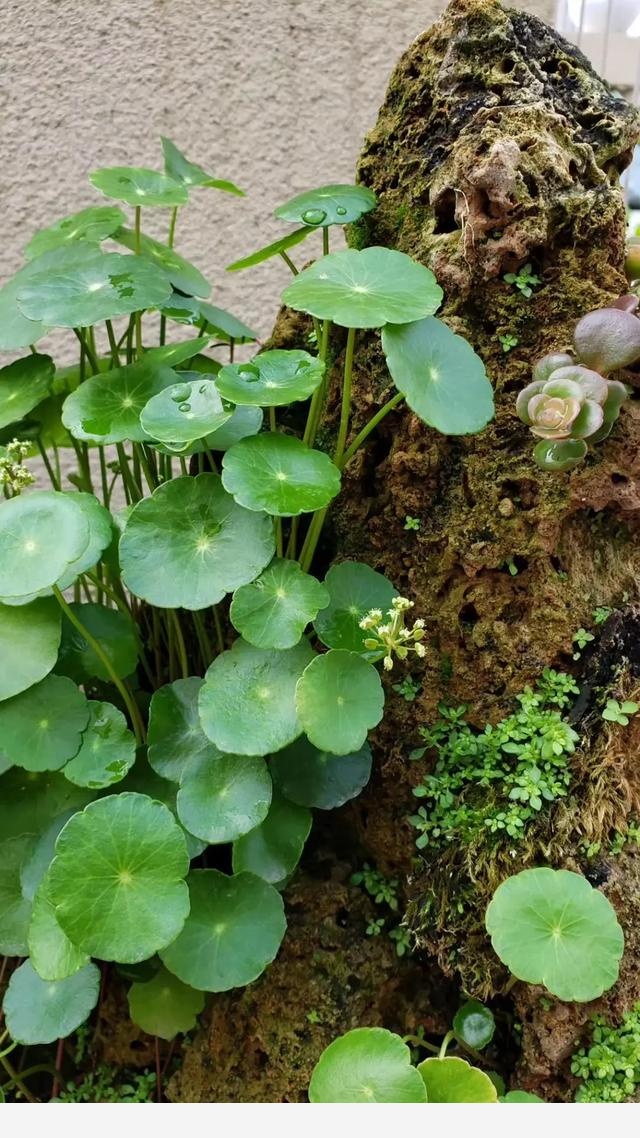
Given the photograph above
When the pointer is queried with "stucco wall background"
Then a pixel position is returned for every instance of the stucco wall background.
(274, 94)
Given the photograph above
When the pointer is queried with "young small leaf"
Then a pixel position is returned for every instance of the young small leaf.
(42, 1011)
(41, 729)
(274, 610)
(280, 475)
(164, 1006)
(107, 752)
(222, 797)
(328, 205)
(273, 849)
(138, 186)
(339, 699)
(368, 1064)
(272, 379)
(354, 589)
(310, 777)
(454, 1080)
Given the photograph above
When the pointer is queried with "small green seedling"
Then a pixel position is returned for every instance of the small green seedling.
(600, 614)
(508, 341)
(525, 280)
(615, 712)
(581, 638)
(412, 523)
(407, 688)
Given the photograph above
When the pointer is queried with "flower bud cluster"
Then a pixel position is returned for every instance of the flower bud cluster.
(389, 634)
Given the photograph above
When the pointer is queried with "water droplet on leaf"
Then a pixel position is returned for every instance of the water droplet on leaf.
(314, 216)
(180, 392)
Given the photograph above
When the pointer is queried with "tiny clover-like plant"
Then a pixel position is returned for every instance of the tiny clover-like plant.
(616, 712)
(180, 671)
(552, 927)
(525, 280)
(573, 401)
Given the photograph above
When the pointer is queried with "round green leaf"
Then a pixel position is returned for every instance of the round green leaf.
(108, 749)
(39, 859)
(354, 589)
(176, 739)
(454, 1080)
(214, 321)
(365, 288)
(273, 849)
(247, 701)
(552, 927)
(328, 205)
(31, 801)
(183, 275)
(23, 385)
(189, 173)
(174, 355)
(274, 610)
(130, 898)
(189, 544)
(164, 1006)
(440, 376)
(41, 1011)
(520, 1096)
(107, 407)
(368, 1064)
(116, 635)
(187, 410)
(339, 699)
(94, 224)
(234, 930)
(109, 285)
(52, 954)
(272, 379)
(279, 474)
(29, 640)
(15, 908)
(41, 729)
(15, 330)
(143, 780)
(101, 534)
(320, 779)
(474, 1024)
(41, 534)
(272, 250)
(222, 797)
(138, 186)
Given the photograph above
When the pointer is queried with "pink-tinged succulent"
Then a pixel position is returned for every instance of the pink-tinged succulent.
(607, 339)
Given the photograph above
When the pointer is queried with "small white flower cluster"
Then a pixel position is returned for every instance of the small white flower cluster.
(391, 636)
(13, 474)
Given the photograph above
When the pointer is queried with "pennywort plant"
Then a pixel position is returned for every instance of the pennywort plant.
(176, 680)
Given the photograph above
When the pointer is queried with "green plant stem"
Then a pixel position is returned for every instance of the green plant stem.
(445, 1043)
(206, 648)
(17, 1080)
(279, 540)
(325, 240)
(319, 395)
(87, 350)
(48, 467)
(83, 465)
(218, 625)
(133, 492)
(416, 1041)
(104, 479)
(369, 427)
(113, 344)
(288, 262)
(273, 426)
(182, 650)
(511, 982)
(345, 411)
(129, 702)
(145, 463)
(311, 540)
(119, 601)
(172, 226)
(138, 215)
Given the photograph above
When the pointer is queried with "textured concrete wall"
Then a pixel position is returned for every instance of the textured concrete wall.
(275, 94)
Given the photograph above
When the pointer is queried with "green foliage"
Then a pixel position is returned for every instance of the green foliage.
(609, 1068)
(525, 280)
(508, 341)
(552, 927)
(411, 523)
(136, 728)
(498, 780)
(381, 889)
(408, 688)
(368, 1064)
(616, 712)
(104, 1085)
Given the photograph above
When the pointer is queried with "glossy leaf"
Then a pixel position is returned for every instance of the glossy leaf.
(101, 532)
(244, 421)
(52, 954)
(368, 1064)
(41, 729)
(187, 410)
(190, 543)
(178, 167)
(328, 205)
(37, 863)
(222, 797)
(365, 288)
(107, 752)
(42, 1011)
(143, 780)
(29, 640)
(164, 1006)
(41, 534)
(320, 779)
(339, 699)
(274, 610)
(234, 930)
(272, 379)
(130, 899)
(110, 285)
(272, 250)
(561, 455)
(354, 589)
(273, 849)
(30, 802)
(280, 475)
(94, 224)
(176, 739)
(440, 376)
(116, 635)
(247, 701)
(552, 927)
(107, 407)
(474, 1024)
(138, 186)
(23, 385)
(454, 1080)
(182, 274)
(214, 321)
